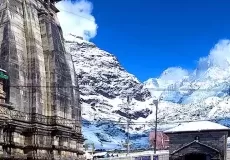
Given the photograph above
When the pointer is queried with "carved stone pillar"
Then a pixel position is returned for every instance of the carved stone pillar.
(35, 59)
(12, 49)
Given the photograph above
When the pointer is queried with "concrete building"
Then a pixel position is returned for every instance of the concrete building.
(201, 140)
(40, 113)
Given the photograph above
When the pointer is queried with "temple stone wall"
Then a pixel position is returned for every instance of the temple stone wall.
(35, 59)
(33, 53)
(12, 57)
(46, 118)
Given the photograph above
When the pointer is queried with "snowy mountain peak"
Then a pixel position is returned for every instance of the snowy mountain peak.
(104, 86)
(103, 82)
(151, 83)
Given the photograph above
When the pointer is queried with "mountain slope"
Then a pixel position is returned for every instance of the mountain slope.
(105, 84)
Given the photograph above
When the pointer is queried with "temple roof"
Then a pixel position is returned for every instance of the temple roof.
(197, 127)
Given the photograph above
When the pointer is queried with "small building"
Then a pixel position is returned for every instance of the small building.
(201, 140)
(162, 140)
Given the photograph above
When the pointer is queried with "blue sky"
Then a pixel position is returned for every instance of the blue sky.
(149, 36)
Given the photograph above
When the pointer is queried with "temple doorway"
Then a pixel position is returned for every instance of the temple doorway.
(195, 156)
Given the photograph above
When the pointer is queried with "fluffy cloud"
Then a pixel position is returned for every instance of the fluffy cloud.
(77, 19)
(220, 54)
(174, 73)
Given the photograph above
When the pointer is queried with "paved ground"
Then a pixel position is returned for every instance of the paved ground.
(163, 152)
(163, 155)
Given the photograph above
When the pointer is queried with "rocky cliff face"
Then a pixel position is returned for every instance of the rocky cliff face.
(105, 84)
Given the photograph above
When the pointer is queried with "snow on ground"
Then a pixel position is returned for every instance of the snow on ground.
(110, 137)
(103, 136)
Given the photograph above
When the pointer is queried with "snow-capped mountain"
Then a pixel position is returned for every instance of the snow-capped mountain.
(105, 84)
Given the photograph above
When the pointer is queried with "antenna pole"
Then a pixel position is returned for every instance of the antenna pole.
(155, 139)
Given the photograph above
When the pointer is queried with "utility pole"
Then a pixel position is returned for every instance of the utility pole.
(156, 102)
(93, 148)
(128, 122)
(128, 148)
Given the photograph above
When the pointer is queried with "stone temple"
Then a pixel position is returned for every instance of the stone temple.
(40, 114)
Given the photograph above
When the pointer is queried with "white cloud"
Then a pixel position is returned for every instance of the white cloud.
(220, 54)
(77, 19)
(174, 73)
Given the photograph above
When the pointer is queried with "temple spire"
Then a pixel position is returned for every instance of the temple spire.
(37, 82)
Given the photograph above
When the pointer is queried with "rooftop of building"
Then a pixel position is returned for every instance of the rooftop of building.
(197, 126)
